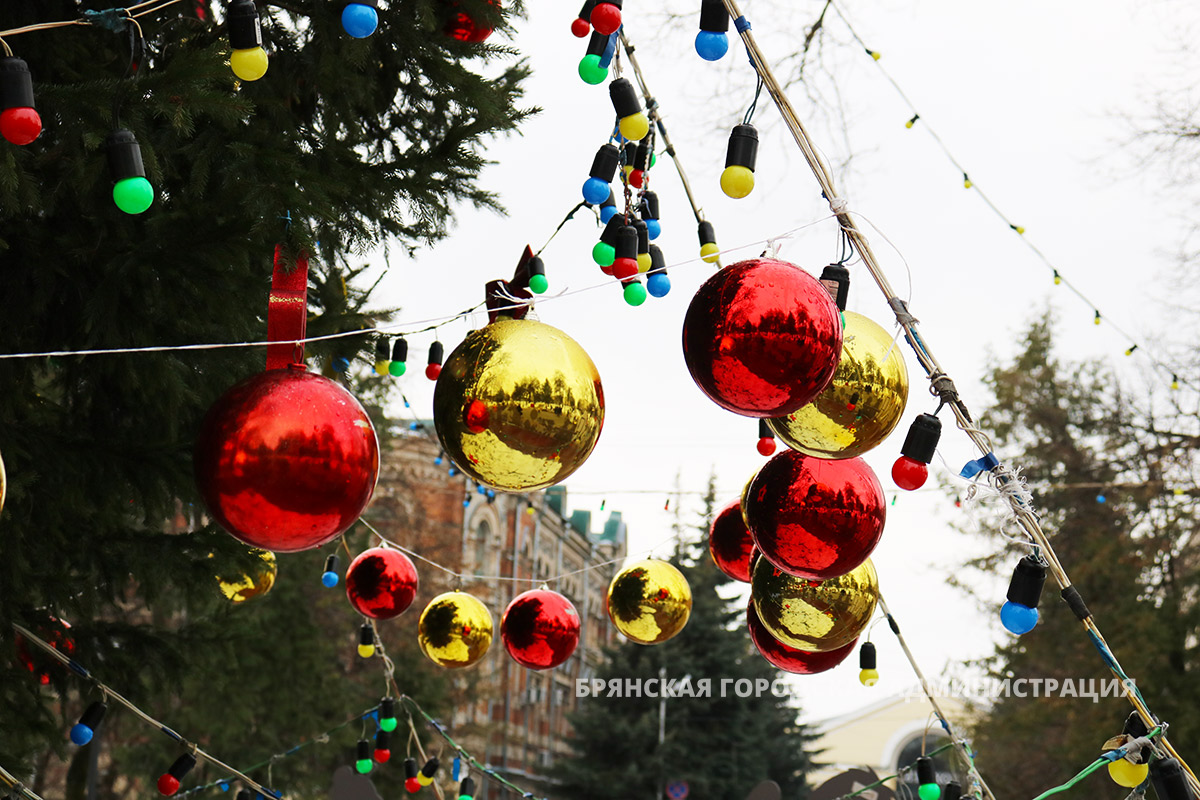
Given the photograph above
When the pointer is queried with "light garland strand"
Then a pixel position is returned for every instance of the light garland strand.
(192, 747)
(17, 786)
(940, 381)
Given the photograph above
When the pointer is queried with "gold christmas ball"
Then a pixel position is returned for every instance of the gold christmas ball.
(815, 616)
(455, 630)
(518, 405)
(253, 584)
(861, 405)
(649, 601)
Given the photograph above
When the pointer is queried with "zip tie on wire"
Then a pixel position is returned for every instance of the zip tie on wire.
(988, 461)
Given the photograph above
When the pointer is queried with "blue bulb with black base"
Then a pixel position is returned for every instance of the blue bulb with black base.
(658, 284)
(712, 45)
(595, 191)
(654, 228)
(341, 364)
(81, 734)
(329, 579)
(359, 20)
(1017, 618)
(607, 213)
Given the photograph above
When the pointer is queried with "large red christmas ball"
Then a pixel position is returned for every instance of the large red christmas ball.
(381, 583)
(465, 28)
(788, 658)
(815, 518)
(762, 338)
(729, 542)
(286, 460)
(540, 629)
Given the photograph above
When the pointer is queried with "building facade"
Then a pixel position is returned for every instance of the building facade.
(511, 718)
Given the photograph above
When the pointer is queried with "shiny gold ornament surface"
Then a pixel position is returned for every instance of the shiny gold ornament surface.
(649, 601)
(861, 405)
(455, 630)
(518, 405)
(253, 584)
(815, 616)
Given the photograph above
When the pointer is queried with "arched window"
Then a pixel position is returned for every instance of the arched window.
(483, 537)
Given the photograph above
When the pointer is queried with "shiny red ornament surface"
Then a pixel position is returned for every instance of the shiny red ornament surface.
(762, 338)
(909, 474)
(788, 658)
(540, 629)
(581, 28)
(381, 583)
(766, 446)
(475, 416)
(729, 542)
(286, 460)
(464, 28)
(815, 518)
(606, 18)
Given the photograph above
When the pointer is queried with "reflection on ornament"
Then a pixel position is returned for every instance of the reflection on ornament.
(54, 633)
(649, 601)
(817, 616)
(455, 630)
(3, 484)
(518, 405)
(252, 585)
(814, 518)
(286, 460)
(381, 583)
(789, 659)
(762, 338)
(464, 28)
(862, 404)
(540, 629)
(729, 542)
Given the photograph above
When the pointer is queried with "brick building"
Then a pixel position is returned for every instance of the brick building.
(509, 717)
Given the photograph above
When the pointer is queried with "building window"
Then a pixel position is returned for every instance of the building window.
(483, 535)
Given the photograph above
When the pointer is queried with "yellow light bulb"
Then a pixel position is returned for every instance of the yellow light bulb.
(1175, 385)
(1057, 279)
(710, 252)
(644, 263)
(424, 779)
(737, 181)
(634, 127)
(1128, 775)
(967, 183)
(868, 677)
(249, 64)
(875, 54)
(366, 650)
(381, 368)
(1019, 229)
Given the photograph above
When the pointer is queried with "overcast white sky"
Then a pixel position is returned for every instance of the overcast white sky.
(1032, 97)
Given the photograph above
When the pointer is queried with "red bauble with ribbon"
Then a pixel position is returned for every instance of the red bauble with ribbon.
(762, 338)
(729, 542)
(540, 629)
(815, 518)
(788, 658)
(286, 460)
(381, 583)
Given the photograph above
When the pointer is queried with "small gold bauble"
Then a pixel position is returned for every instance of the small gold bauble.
(816, 616)
(518, 405)
(455, 630)
(649, 602)
(252, 585)
(861, 405)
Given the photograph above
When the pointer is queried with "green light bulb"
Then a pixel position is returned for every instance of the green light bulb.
(133, 195)
(591, 71)
(363, 765)
(538, 284)
(604, 254)
(635, 294)
(396, 369)
(929, 791)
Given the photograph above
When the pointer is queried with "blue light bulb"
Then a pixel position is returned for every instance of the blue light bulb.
(481, 489)
(329, 579)
(654, 228)
(607, 213)
(81, 734)
(658, 284)
(712, 45)
(452, 472)
(359, 20)
(595, 191)
(1017, 618)
(341, 364)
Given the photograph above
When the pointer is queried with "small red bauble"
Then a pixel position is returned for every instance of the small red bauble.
(788, 658)
(909, 474)
(729, 542)
(540, 629)
(381, 583)
(606, 18)
(286, 460)
(581, 27)
(762, 338)
(814, 518)
(766, 446)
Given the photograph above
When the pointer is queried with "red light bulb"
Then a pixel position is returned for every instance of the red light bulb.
(909, 474)
(412, 785)
(168, 784)
(581, 28)
(432, 371)
(606, 18)
(766, 446)
(624, 268)
(382, 755)
(19, 122)
(20, 125)
(636, 178)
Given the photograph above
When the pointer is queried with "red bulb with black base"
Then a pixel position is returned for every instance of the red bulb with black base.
(168, 782)
(606, 16)
(437, 352)
(19, 121)
(411, 770)
(909, 474)
(381, 583)
(540, 629)
(766, 439)
(581, 28)
(729, 542)
(910, 470)
(788, 658)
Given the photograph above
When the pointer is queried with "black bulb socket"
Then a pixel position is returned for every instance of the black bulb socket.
(400, 350)
(641, 156)
(1169, 780)
(16, 83)
(332, 563)
(124, 155)
(609, 234)
(244, 794)
(467, 788)
(597, 44)
(410, 768)
(650, 206)
(245, 31)
(93, 715)
(535, 266)
(611, 202)
(604, 165)
(1027, 581)
(713, 16)
(627, 242)
(925, 771)
(922, 440)
(363, 750)
(366, 635)
(706, 232)
(182, 766)
(586, 11)
(658, 262)
(643, 234)
(1134, 725)
(431, 767)
(624, 96)
(381, 349)
(437, 351)
(383, 740)
(743, 147)
(836, 278)
(951, 791)
(866, 656)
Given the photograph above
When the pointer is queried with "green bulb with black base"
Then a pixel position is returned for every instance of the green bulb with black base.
(538, 284)
(635, 293)
(604, 254)
(590, 70)
(133, 195)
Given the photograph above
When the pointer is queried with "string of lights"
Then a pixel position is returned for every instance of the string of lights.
(998, 473)
(1060, 279)
(903, 771)
(15, 786)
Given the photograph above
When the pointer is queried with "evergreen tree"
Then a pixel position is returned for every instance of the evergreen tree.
(721, 745)
(343, 147)
(1112, 490)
